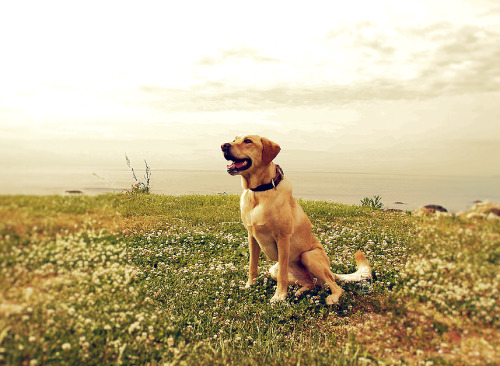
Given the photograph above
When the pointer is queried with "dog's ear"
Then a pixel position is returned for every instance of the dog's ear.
(269, 150)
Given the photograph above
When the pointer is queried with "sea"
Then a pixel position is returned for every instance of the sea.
(405, 192)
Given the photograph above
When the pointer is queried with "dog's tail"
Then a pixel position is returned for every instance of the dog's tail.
(363, 272)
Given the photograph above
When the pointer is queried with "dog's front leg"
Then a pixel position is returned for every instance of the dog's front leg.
(283, 244)
(254, 259)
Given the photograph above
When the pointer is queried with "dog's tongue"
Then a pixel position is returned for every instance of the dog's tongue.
(237, 165)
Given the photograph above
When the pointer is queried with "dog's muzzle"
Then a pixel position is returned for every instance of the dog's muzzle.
(237, 165)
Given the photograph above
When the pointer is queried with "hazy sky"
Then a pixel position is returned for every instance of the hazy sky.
(404, 86)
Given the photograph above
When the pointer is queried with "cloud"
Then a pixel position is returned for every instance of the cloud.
(387, 63)
(235, 54)
(490, 12)
(364, 36)
(428, 60)
(446, 60)
(466, 62)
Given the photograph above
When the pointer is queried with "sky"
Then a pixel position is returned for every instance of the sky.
(396, 87)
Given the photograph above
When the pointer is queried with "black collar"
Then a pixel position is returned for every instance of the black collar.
(274, 182)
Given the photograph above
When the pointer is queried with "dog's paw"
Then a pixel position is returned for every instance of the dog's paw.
(334, 298)
(278, 297)
(250, 283)
(303, 289)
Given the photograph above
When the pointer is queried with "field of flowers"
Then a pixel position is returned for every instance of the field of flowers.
(153, 279)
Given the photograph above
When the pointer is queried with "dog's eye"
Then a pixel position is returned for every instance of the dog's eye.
(247, 141)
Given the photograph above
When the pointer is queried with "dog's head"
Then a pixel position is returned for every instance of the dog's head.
(249, 152)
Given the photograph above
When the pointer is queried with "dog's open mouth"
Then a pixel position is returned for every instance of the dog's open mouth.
(239, 165)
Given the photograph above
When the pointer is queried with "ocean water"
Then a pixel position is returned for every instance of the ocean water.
(406, 192)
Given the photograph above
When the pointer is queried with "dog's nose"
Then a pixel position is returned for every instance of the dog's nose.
(225, 147)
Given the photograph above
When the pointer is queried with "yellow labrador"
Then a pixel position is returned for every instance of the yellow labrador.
(278, 226)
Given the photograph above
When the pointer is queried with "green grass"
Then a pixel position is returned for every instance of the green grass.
(153, 279)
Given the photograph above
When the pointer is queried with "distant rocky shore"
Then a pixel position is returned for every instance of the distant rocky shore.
(484, 210)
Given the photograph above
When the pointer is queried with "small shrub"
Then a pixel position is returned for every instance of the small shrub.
(375, 202)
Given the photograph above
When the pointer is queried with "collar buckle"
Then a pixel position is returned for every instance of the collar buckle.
(274, 181)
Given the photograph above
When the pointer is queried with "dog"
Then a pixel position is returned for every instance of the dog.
(277, 224)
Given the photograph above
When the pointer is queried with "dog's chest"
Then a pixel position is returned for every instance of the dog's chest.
(252, 215)
(253, 212)
(257, 222)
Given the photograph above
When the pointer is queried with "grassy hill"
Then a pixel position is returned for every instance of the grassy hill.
(153, 279)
